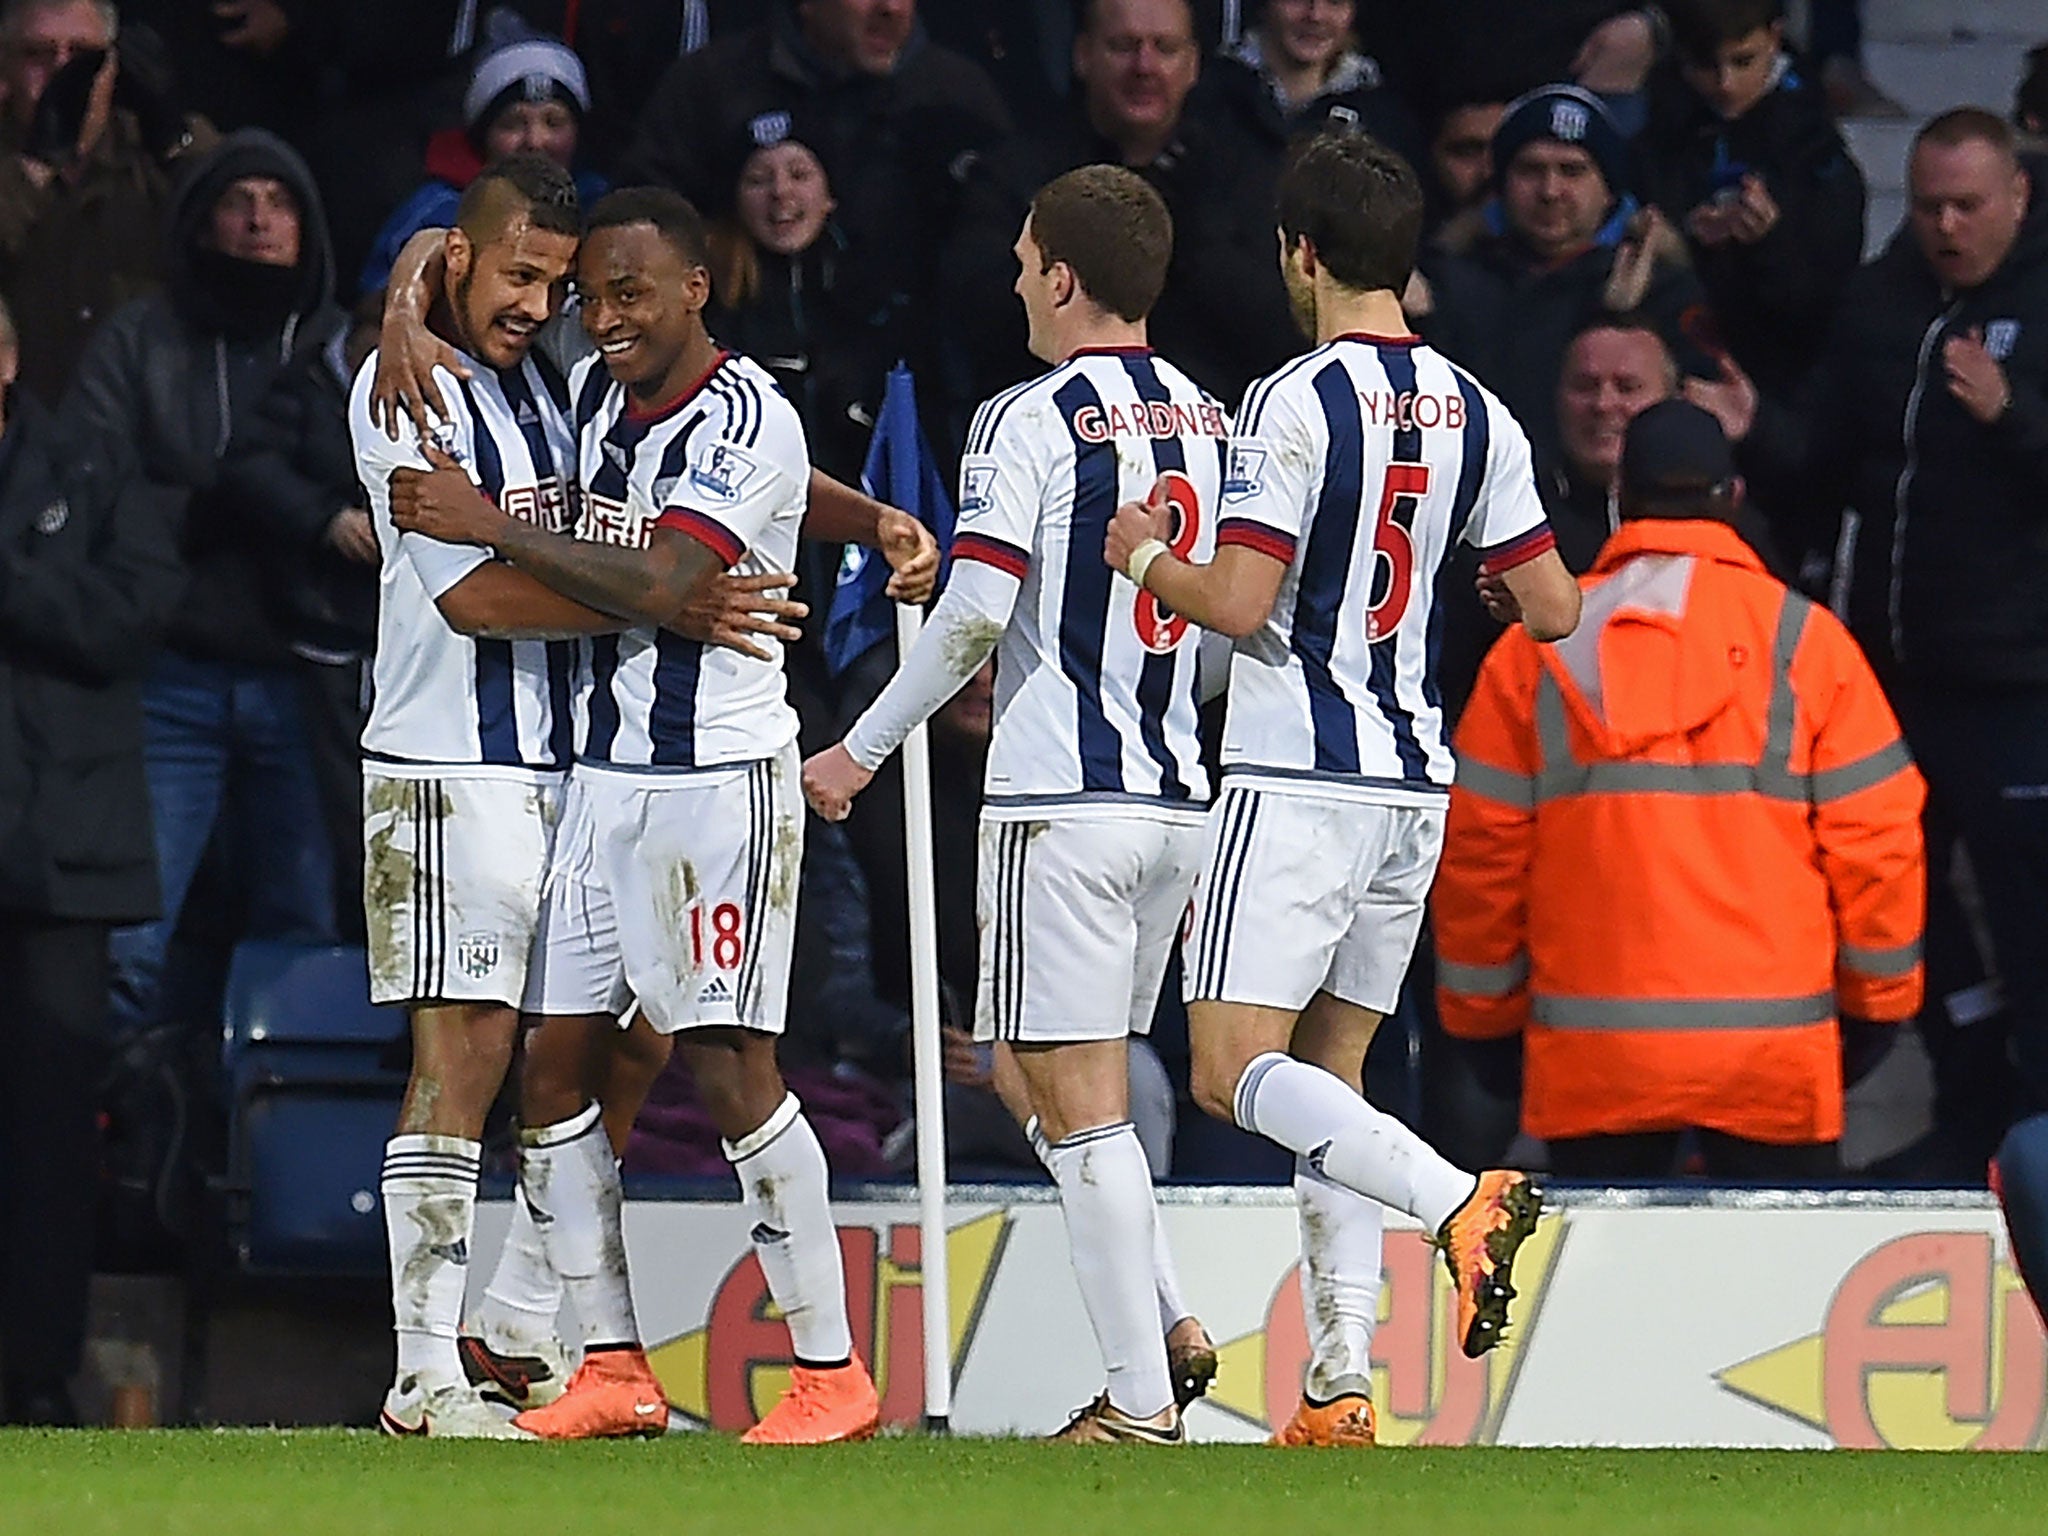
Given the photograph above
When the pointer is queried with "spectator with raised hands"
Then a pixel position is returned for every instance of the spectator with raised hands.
(1563, 244)
(90, 138)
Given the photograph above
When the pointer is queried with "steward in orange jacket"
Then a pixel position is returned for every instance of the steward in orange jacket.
(1681, 839)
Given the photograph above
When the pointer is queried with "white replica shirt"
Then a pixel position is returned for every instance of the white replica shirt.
(727, 464)
(1360, 464)
(1095, 679)
(444, 699)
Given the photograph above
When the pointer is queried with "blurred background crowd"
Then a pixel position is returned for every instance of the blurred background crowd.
(201, 202)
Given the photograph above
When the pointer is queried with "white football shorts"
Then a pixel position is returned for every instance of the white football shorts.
(675, 889)
(1299, 895)
(452, 874)
(1078, 917)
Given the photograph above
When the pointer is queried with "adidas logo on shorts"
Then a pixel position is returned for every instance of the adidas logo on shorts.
(714, 991)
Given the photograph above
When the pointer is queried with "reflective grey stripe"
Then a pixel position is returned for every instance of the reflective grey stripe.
(1682, 1013)
(1483, 980)
(1774, 776)
(1832, 784)
(1669, 778)
(1516, 789)
(1561, 773)
(1896, 961)
(1771, 776)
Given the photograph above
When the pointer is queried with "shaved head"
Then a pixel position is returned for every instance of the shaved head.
(519, 192)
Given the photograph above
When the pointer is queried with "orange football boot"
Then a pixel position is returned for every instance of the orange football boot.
(613, 1393)
(821, 1407)
(1345, 1421)
(1479, 1240)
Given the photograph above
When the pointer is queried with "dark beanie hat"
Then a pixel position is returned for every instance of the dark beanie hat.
(1565, 114)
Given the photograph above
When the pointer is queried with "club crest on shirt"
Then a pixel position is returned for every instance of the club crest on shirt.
(722, 473)
(1246, 473)
(2000, 337)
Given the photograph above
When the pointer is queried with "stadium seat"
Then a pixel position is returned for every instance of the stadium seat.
(312, 1099)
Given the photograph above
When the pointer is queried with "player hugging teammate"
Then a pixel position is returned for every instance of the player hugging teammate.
(1107, 510)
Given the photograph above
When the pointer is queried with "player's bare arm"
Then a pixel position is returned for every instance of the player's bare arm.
(839, 514)
(510, 604)
(1231, 595)
(408, 352)
(1545, 595)
(658, 585)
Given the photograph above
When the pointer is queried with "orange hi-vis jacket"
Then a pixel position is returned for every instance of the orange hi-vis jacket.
(1678, 838)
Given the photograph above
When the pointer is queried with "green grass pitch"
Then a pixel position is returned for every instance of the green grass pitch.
(348, 1483)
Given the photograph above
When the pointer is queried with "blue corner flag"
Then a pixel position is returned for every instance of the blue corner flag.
(901, 471)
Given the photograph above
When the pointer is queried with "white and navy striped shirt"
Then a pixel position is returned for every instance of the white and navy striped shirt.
(1361, 464)
(444, 699)
(727, 464)
(1095, 681)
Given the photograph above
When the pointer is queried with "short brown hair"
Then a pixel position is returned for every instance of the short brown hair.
(1962, 125)
(1112, 229)
(1358, 203)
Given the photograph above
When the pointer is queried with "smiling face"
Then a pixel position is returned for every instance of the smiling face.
(503, 292)
(1307, 34)
(784, 198)
(1136, 63)
(546, 128)
(1609, 375)
(1040, 286)
(643, 304)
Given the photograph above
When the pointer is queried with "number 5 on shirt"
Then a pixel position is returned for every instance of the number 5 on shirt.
(1392, 542)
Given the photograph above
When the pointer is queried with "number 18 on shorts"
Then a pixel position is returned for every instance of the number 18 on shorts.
(678, 890)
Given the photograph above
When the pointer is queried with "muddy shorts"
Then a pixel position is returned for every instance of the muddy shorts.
(675, 887)
(453, 869)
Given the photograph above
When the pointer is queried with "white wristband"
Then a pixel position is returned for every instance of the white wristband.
(1142, 558)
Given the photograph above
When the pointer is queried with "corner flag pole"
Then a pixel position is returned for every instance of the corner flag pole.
(924, 1033)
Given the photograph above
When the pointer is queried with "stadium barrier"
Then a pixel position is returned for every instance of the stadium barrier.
(1645, 1318)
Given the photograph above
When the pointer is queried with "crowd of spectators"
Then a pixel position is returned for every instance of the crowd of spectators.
(200, 203)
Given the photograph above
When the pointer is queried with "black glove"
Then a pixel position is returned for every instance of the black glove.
(61, 109)
(148, 87)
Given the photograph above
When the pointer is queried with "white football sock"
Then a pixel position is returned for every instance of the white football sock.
(568, 1177)
(1315, 1115)
(525, 1294)
(429, 1190)
(1165, 1278)
(786, 1189)
(1340, 1283)
(1106, 1194)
